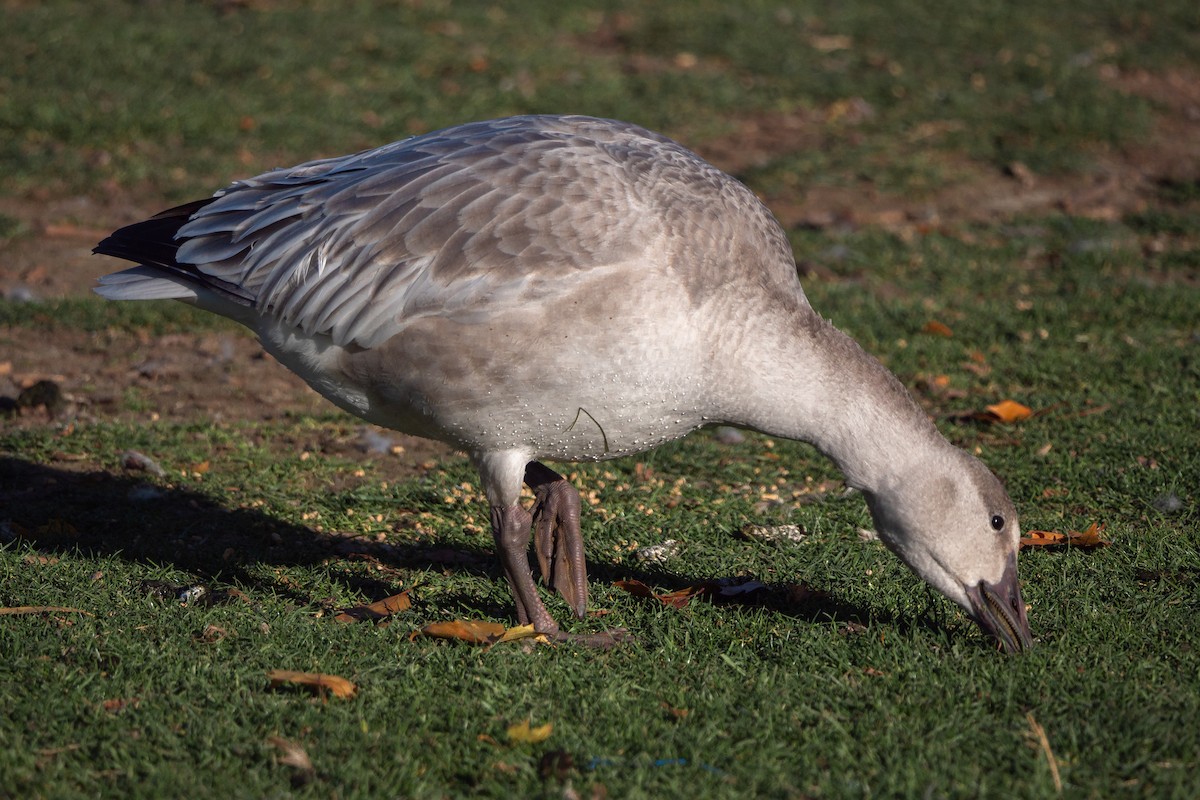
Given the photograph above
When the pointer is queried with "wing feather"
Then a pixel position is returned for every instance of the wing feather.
(491, 212)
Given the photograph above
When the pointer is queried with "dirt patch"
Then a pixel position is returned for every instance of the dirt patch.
(1121, 181)
(221, 377)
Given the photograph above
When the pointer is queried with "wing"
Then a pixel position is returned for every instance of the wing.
(498, 212)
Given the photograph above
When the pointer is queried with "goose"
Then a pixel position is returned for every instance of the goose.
(569, 289)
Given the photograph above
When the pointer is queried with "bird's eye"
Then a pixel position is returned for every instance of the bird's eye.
(997, 522)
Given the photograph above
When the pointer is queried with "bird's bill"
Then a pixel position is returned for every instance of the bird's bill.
(999, 610)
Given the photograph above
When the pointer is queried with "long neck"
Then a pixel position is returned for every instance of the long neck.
(807, 380)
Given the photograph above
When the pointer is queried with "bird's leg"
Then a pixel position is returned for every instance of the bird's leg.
(556, 535)
(510, 528)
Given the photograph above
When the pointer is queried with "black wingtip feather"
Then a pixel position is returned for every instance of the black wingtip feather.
(153, 243)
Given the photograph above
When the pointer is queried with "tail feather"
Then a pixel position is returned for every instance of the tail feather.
(153, 246)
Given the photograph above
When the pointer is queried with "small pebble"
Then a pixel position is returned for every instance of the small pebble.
(133, 460)
(1168, 503)
(658, 553)
(728, 435)
(787, 534)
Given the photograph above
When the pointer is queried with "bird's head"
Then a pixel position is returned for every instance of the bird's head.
(951, 521)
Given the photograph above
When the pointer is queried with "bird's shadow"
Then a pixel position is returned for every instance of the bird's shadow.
(61, 510)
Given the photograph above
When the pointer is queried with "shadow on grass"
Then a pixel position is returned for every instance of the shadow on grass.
(104, 514)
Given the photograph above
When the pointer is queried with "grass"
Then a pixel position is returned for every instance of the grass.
(876, 687)
(880, 689)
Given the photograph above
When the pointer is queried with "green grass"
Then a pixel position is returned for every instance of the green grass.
(878, 688)
(181, 97)
(783, 698)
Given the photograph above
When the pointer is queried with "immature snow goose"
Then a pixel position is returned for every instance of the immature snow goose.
(569, 289)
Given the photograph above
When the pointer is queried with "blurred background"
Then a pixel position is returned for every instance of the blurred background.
(839, 114)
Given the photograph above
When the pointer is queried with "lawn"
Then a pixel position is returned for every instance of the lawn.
(1002, 202)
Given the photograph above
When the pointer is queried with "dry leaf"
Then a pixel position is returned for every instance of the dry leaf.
(1009, 411)
(935, 328)
(524, 734)
(380, 609)
(472, 631)
(314, 681)
(118, 704)
(676, 599)
(519, 632)
(1089, 538)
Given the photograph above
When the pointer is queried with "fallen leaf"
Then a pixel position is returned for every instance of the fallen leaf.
(118, 704)
(473, 631)
(677, 599)
(635, 588)
(1089, 538)
(935, 328)
(1009, 411)
(519, 632)
(380, 609)
(1043, 539)
(20, 610)
(523, 733)
(315, 682)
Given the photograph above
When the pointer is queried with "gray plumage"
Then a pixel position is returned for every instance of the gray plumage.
(568, 288)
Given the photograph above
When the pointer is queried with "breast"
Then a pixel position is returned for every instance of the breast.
(615, 367)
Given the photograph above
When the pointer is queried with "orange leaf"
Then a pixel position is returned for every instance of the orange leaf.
(1042, 539)
(119, 704)
(677, 599)
(1089, 538)
(936, 328)
(520, 632)
(1009, 411)
(380, 609)
(635, 588)
(472, 631)
(315, 682)
(523, 733)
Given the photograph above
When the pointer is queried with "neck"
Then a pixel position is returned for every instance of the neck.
(813, 383)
